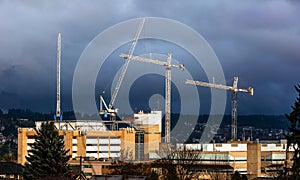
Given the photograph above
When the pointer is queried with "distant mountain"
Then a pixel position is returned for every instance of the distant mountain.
(259, 121)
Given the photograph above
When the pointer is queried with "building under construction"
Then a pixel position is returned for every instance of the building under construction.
(101, 142)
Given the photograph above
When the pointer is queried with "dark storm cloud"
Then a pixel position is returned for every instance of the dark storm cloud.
(258, 41)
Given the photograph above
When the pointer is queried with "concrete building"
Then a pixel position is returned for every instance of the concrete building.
(250, 158)
(93, 139)
(99, 146)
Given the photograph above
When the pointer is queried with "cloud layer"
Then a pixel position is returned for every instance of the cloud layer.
(259, 41)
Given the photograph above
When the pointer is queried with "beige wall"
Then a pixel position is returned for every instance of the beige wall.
(254, 160)
(126, 135)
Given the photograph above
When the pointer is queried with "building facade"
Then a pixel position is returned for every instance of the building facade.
(100, 146)
(251, 158)
(93, 139)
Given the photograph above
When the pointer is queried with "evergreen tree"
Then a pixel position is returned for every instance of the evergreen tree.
(293, 138)
(47, 156)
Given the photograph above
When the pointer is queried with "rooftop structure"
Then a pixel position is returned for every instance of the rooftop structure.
(154, 117)
(10, 170)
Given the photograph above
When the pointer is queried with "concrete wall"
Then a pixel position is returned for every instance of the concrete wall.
(254, 160)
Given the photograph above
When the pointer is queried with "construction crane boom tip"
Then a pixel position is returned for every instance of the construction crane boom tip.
(251, 91)
(181, 66)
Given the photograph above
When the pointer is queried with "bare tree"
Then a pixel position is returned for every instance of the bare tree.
(178, 164)
(126, 154)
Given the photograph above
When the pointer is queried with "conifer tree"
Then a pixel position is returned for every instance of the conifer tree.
(293, 138)
(47, 156)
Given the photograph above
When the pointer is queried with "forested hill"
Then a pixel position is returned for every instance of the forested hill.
(260, 121)
(15, 118)
(27, 118)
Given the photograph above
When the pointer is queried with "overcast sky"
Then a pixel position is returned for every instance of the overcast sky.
(258, 41)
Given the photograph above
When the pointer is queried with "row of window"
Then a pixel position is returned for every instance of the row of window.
(100, 144)
(88, 166)
(100, 151)
(102, 137)
(270, 160)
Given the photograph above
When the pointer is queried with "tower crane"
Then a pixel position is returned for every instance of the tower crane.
(168, 66)
(58, 114)
(234, 90)
(110, 110)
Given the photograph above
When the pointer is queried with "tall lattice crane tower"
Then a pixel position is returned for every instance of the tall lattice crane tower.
(58, 114)
(168, 66)
(234, 90)
(109, 109)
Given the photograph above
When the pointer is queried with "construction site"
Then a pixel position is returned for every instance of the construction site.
(96, 145)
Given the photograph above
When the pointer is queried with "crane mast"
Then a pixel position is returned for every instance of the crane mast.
(168, 100)
(234, 90)
(168, 66)
(58, 112)
(234, 109)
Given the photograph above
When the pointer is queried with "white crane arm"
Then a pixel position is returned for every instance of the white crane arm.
(124, 69)
(234, 90)
(137, 58)
(205, 84)
(103, 101)
(153, 61)
(219, 86)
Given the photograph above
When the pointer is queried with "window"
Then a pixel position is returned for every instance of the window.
(74, 165)
(91, 151)
(114, 151)
(87, 166)
(139, 137)
(139, 145)
(88, 174)
(114, 137)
